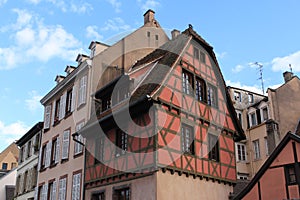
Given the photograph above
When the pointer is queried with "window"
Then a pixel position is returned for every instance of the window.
(47, 117)
(99, 150)
(34, 176)
(213, 147)
(250, 98)
(36, 145)
(253, 121)
(21, 154)
(239, 116)
(42, 192)
(290, 174)
(200, 89)
(156, 40)
(266, 146)
(256, 149)
(187, 139)
(69, 102)
(121, 142)
(98, 196)
(13, 165)
(25, 181)
(65, 145)
(57, 111)
(62, 188)
(241, 152)
(237, 96)
(265, 115)
(212, 99)
(118, 95)
(242, 177)
(52, 190)
(55, 150)
(105, 103)
(82, 90)
(76, 186)
(202, 57)
(43, 156)
(4, 166)
(29, 149)
(187, 82)
(196, 53)
(78, 148)
(122, 194)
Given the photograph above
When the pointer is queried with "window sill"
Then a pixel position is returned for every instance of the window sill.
(78, 155)
(68, 114)
(52, 165)
(43, 169)
(64, 160)
(81, 106)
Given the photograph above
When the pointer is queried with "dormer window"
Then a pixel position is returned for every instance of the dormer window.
(265, 114)
(250, 98)
(252, 118)
(237, 96)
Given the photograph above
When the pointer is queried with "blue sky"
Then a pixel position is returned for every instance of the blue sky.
(38, 38)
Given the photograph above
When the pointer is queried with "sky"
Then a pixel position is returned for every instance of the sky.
(39, 38)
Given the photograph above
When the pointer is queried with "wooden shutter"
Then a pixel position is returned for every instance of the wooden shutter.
(84, 89)
(53, 113)
(47, 117)
(48, 154)
(36, 189)
(45, 194)
(62, 106)
(65, 144)
(73, 103)
(57, 153)
(54, 190)
(40, 159)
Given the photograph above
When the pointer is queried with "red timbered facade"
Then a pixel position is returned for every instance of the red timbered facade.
(170, 115)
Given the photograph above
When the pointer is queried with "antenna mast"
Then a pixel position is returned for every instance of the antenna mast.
(260, 68)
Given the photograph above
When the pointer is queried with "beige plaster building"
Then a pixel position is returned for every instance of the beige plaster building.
(266, 120)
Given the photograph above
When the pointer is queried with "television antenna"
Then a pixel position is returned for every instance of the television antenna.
(260, 68)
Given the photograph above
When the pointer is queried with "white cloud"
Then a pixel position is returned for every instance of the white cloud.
(115, 4)
(2, 2)
(148, 4)
(34, 1)
(115, 24)
(11, 132)
(237, 68)
(253, 88)
(80, 9)
(34, 40)
(282, 63)
(221, 55)
(33, 103)
(91, 32)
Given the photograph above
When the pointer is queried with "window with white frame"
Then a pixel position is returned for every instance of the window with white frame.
(256, 149)
(78, 148)
(212, 98)
(250, 98)
(264, 113)
(82, 90)
(65, 145)
(252, 118)
(76, 186)
(62, 190)
(241, 152)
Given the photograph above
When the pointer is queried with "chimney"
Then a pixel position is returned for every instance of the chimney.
(149, 16)
(287, 76)
(59, 78)
(175, 33)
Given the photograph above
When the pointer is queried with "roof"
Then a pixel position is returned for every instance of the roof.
(13, 148)
(167, 55)
(255, 105)
(241, 89)
(27, 136)
(288, 137)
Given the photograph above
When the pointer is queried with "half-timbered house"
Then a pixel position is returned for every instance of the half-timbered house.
(165, 129)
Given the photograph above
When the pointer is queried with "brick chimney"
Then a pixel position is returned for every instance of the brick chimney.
(175, 33)
(287, 76)
(149, 16)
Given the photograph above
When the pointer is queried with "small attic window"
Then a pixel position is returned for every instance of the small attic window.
(93, 52)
